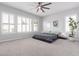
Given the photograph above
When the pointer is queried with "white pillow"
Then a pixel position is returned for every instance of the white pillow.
(62, 34)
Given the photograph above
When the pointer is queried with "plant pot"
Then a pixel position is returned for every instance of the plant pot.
(71, 35)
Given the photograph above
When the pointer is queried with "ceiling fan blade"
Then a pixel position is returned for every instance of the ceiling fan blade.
(46, 4)
(37, 9)
(42, 10)
(45, 7)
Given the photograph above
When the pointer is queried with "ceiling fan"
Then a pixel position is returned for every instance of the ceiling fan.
(42, 6)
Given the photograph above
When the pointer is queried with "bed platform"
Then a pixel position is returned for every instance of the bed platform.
(46, 37)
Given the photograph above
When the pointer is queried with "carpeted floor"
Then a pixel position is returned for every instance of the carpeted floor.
(33, 47)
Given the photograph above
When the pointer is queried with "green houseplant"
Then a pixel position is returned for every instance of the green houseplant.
(73, 26)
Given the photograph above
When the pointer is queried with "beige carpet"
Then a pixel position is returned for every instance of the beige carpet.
(32, 47)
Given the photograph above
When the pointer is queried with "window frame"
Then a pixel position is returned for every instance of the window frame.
(8, 23)
(28, 24)
(35, 25)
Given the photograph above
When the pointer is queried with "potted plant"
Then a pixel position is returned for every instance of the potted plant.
(73, 26)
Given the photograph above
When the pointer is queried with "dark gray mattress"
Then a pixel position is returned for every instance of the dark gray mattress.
(46, 37)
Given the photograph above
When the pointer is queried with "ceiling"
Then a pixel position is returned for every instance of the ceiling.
(55, 7)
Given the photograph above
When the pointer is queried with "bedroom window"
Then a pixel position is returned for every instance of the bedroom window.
(27, 26)
(7, 23)
(24, 24)
(30, 24)
(21, 24)
(35, 25)
(67, 22)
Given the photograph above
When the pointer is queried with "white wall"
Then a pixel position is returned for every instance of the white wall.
(61, 18)
(17, 12)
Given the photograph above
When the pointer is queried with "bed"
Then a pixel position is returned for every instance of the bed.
(47, 37)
